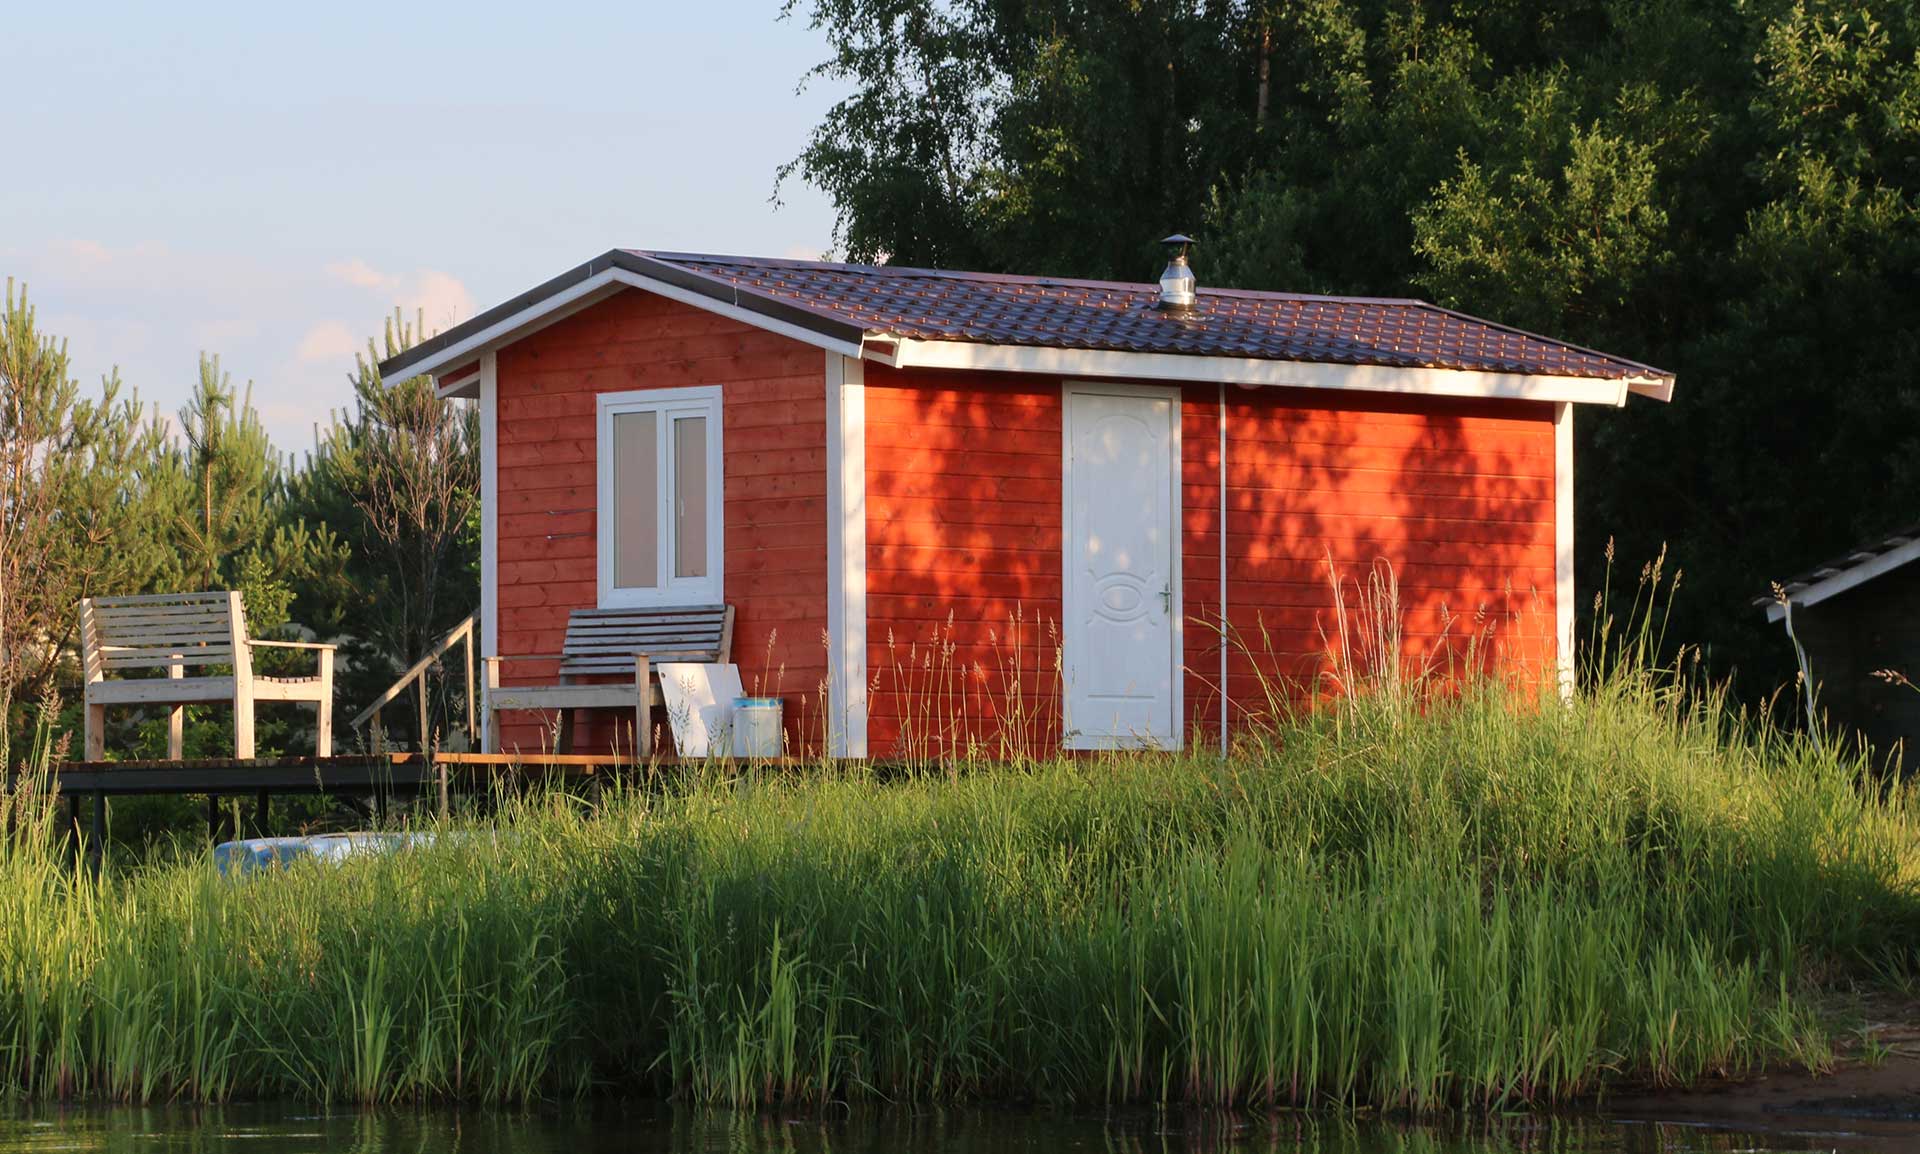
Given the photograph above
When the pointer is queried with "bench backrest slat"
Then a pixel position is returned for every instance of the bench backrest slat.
(153, 631)
(604, 641)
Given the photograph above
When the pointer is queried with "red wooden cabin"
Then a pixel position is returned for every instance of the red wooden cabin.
(953, 506)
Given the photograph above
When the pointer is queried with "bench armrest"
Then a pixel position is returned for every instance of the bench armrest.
(294, 644)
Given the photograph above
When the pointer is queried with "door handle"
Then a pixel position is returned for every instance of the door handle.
(1166, 600)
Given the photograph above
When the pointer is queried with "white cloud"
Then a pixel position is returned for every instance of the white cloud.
(328, 340)
(439, 297)
(360, 274)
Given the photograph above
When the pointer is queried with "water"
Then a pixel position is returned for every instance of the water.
(663, 1130)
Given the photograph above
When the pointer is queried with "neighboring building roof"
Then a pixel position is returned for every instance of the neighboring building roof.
(883, 312)
(1843, 573)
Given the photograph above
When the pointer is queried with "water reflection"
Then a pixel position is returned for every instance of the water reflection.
(663, 1130)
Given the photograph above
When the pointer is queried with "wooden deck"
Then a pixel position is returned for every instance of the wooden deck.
(383, 777)
(346, 773)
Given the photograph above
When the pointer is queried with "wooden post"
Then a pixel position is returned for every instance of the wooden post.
(323, 723)
(466, 647)
(490, 720)
(176, 717)
(261, 803)
(440, 780)
(95, 742)
(99, 831)
(642, 712)
(420, 701)
(213, 817)
(242, 678)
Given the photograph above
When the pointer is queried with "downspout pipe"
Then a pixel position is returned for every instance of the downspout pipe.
(1225, 704)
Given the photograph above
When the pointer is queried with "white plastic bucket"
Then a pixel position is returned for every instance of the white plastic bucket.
(757, 728)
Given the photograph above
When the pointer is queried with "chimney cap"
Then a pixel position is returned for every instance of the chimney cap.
(1177, 288)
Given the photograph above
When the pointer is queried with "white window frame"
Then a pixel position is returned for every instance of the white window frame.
(669, 404)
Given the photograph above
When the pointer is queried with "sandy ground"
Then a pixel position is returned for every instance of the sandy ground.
(1869, 1101)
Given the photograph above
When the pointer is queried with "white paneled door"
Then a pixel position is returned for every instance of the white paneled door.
(1122, 592)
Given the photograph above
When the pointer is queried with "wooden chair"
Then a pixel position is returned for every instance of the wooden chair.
(170, 631)
(612, 643)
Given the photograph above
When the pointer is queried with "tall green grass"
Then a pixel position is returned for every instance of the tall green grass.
(1467, 898)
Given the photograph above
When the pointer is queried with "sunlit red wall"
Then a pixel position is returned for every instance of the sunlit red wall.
(773, 418)
(964, 546)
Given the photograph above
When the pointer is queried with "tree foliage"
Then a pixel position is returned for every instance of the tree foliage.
(372, 541)
(399, 479)
(1728, 190)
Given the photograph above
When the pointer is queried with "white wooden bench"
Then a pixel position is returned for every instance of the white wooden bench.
(605, 643)
(171, 631)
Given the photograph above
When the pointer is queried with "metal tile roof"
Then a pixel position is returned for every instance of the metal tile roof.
(937, 305)
(849, 306)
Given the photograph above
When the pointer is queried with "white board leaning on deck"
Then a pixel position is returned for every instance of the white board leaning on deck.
(699, 700)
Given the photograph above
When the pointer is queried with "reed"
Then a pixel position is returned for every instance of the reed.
(1470, 896)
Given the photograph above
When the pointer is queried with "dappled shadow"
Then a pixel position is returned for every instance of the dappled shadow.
(1450, 499)
(1366, 528)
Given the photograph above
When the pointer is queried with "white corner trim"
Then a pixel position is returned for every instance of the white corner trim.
(846, 556)
(1563, 606)
(489, 522)
(1848, 578)
(908, 353)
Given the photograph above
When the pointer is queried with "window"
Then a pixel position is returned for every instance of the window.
(660, 507)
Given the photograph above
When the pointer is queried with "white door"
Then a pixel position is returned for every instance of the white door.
(1122, 593)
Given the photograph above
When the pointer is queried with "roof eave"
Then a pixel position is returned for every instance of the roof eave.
(1836, 583)
(907, 352)
(587, 283)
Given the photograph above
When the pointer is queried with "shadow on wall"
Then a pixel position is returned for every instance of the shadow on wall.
(1367, 537)
(1380, 538)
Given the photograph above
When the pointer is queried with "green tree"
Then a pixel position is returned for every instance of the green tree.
(399, 476)
(76, 516)
(1729, 191)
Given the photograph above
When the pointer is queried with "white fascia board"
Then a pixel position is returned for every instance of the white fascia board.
(1654, 388)
(1846, 579)
(508, 329)
(744, 316)
(591, 291)
(909, 353)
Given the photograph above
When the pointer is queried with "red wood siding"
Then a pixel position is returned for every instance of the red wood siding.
(1456, 496)
(963, 558)
(773, 418)
(964, 543)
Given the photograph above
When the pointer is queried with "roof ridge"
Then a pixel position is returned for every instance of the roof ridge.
(904, 271)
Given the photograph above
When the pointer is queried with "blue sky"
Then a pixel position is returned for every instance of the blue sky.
(267, 181)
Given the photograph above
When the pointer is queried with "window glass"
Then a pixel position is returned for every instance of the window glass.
(636, 508)
(690, 491)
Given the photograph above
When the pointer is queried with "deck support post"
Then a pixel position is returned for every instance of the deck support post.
(261, 803)
(420, 708)
(99, 847)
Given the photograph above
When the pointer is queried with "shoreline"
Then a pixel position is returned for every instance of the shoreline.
(1858, 1100)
